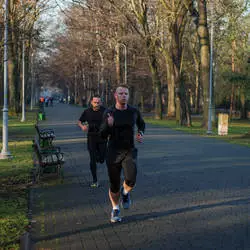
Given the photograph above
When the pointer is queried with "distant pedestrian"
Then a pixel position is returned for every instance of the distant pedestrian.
(118, 125)
(46, 101)
(51, 101)
(90, 122)
(41, 99)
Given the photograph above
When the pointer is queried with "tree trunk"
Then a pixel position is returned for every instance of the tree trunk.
(75, 84)
(102, 74)
(182, 109)
(102, 62)
(185, 113)
(204, 57)
(243, 110)
(117, 64)
(14, 69)
(142, 104)
(14, 84)
(197, 84)
(156, 79)
(171, 89)
(232, 97)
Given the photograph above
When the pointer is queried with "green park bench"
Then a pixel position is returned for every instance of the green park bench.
(47, 157)
(46, 136)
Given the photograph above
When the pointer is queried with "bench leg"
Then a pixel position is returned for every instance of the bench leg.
(40, 172)
(59, 170)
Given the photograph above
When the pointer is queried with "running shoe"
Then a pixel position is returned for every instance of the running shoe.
(99, 159)
(115, 216)
(94, 185)
(125, 201)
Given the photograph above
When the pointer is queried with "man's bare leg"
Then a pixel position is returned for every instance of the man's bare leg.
(126, 187)
(114, 198)
(126, 201)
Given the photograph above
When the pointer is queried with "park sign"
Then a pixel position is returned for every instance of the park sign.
(222, 124)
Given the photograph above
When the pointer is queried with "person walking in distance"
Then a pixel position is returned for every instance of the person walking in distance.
(118, 126)
(90, 122)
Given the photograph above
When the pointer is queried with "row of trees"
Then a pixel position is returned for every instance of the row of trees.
(161, 48)
(21, 20)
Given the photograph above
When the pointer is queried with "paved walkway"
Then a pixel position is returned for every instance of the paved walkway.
(192, 193)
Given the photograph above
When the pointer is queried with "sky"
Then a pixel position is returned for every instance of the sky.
(53, 16)
(51, 21)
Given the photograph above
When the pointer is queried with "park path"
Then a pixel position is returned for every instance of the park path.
(192, 193)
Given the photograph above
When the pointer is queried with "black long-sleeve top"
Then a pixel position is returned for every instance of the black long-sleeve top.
(121, 134)
(94, 120)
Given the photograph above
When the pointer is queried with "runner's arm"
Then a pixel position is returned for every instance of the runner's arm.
(140, 123)
(105, 129)
(82, 120)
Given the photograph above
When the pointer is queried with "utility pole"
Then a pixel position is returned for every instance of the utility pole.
(5, 154)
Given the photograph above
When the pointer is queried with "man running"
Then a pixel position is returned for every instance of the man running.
(119, 124)
(90, 122)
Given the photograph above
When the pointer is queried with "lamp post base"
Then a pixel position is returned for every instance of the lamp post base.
(5, 155)
(209, 132)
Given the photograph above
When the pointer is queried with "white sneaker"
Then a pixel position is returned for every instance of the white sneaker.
(115, 216)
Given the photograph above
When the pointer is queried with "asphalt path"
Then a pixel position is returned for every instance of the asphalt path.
(192, 193)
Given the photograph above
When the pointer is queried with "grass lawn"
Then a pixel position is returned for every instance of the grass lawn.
(238, 130)
(14, 178)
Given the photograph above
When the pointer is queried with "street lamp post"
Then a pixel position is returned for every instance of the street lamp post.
(23, 82)
(5, 154)
(23, 77)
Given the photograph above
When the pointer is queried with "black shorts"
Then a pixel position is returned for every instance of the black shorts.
(118, 160)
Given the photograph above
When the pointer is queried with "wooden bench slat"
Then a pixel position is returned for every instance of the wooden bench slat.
(46, 136)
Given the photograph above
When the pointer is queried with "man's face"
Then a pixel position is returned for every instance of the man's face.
(121, 95)
(96, 103)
